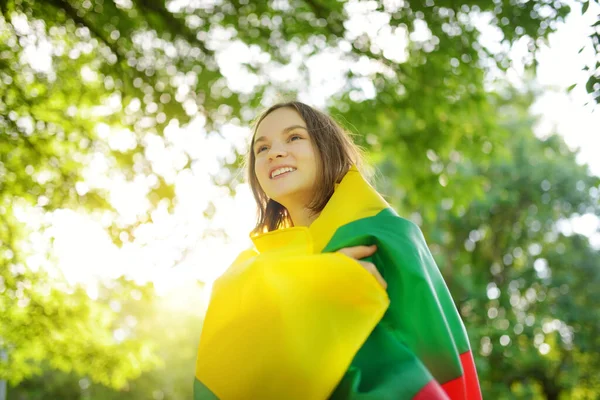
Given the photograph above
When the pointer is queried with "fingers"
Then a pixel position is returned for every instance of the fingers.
(358, 252)
(375, 272)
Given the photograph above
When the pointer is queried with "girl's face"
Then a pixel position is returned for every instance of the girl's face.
(286, 158)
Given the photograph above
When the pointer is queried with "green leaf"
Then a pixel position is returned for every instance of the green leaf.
(585, 7)
(589, 86)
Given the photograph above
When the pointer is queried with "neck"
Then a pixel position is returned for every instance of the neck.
(301, 216)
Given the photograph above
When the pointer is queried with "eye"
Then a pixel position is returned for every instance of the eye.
(260, 149)
(293, 137)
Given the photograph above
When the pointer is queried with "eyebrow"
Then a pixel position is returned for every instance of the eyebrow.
(286, 130)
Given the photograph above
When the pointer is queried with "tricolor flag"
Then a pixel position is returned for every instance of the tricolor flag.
(293, 319)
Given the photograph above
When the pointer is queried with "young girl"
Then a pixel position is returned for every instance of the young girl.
(340, 297)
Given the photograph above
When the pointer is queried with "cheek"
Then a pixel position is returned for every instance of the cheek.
(260, 171)
(315, 161)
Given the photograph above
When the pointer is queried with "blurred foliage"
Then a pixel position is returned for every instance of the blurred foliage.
(47, 324)
(524, 282)
(95, 85)
(143, 317)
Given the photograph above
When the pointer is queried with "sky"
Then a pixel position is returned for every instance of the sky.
(86, 254)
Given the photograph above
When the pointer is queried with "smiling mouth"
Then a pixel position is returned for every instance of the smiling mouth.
(278, 174)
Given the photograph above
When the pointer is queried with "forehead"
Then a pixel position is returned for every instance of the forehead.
(274, 123)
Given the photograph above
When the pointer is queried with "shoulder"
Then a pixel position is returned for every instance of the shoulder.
(385, 228)
(246, 254)
(387, 220)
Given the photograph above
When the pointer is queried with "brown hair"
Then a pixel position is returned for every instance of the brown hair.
(337, 153)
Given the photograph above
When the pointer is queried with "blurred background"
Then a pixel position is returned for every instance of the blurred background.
(123, 124)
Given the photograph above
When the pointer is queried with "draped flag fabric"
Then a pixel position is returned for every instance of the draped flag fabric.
(293, 319)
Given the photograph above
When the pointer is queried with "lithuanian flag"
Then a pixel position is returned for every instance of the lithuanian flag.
(293, 319)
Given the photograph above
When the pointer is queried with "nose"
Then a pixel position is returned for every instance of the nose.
(277, 151)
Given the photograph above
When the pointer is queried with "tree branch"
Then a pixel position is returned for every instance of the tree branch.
(175, 24)
(74, 15)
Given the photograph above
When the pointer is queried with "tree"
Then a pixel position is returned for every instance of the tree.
(142, 317)
(524, 283)
(51, 326)
(98, 83)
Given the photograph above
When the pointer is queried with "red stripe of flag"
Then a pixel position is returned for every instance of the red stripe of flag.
(465, 387)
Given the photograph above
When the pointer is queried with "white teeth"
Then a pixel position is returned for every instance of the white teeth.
(281, 171)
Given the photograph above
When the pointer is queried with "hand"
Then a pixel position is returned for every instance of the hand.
(358, 252)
